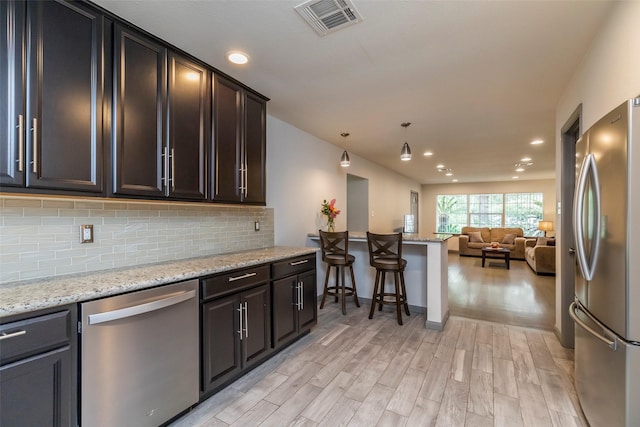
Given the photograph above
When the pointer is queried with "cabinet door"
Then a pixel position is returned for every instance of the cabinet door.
(189, 121)
(37, 391)
(12, 119)
(220, 341)
(284, 310)
(227, 140)
(308, 313)
(256, 342)
(140, 85)
(255, 148)
(64, 96)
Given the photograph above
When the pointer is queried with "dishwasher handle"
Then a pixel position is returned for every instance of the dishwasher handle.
(108, 316)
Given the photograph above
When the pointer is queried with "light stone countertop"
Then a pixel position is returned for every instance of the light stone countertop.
(407, 238)
(22, 297)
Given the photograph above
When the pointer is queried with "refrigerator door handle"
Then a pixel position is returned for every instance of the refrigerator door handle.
(574, 307)
(588, 168)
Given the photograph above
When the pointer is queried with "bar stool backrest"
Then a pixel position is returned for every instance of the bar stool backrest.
(335, 245)
(385, 246)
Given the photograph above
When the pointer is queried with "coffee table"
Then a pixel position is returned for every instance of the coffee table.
(496, 253)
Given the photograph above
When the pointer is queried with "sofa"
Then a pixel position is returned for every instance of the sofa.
(472, 239)
(540, 254)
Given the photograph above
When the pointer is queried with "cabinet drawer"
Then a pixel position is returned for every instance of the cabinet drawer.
(293, 266)
(27, 337)
(235, 281)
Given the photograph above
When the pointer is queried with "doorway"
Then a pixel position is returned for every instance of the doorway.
(570, 133)
(357, 203)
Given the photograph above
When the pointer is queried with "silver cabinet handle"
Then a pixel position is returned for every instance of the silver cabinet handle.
(173, 170)
(246, 321)
(301, 295)
(6, 336)
(108, 316)
(244, 276)
(20, 142)
(304, 261)
(613, 344)
(34, 129)
(240, 308)
(246, 179)
(164, 167)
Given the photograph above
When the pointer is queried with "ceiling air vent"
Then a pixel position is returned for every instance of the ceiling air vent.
(326, 16)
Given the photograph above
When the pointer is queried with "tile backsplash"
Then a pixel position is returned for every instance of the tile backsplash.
(40, 236)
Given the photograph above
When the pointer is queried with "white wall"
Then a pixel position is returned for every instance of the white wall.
(608, 74)
(430, 193)
(303, 170)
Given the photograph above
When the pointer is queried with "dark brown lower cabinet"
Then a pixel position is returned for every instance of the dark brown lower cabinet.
(294, 298)
(236, 335)
(38, 370)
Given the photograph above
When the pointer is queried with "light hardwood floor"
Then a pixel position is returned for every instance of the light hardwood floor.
(352, 371)
(516, 296)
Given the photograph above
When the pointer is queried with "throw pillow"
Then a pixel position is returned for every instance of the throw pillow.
(542, 241)
(509, 239)
(475, 237)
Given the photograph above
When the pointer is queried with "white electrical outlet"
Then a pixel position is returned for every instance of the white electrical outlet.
(86, 234)
(256, 225)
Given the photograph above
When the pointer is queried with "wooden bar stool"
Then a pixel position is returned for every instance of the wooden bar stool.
(385, 255)
(335, 252)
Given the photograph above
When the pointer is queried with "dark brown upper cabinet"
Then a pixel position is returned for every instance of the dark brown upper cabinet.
(162, 120)
(188, 129)
(138, 151)
(239, 144)
(52, 95)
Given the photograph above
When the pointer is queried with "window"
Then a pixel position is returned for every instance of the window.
(451, 213)
(485, 210)
(523, 210)
(454, 211)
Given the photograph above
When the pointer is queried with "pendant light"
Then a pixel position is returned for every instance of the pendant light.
(344, 160)
(405, 154)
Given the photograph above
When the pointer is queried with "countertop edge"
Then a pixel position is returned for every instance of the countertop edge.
(409, 239)
(23, 297)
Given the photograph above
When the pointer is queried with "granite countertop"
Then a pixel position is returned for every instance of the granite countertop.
(22, 297)
(407, 238)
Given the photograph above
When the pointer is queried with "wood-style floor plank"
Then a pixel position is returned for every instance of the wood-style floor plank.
(373, 406)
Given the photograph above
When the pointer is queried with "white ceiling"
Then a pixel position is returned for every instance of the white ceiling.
(478, 80)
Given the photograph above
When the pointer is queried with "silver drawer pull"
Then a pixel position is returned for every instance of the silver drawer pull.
(6, 336)
(304, 261)
(244, 276)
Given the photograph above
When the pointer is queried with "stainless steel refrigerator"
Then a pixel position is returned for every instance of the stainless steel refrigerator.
(606, 310)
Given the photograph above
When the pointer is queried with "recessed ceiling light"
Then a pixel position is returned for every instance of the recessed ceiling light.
(537, 142)
(525, 159)
(520, 170)
(454, 180)
(448, 174)
(238, 57)
(514, 177)
(440, 166)
(428, 153)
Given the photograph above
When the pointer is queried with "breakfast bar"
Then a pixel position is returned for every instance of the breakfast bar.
(425, 275)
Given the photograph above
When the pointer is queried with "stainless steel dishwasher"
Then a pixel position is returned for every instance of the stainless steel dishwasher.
(139, 356)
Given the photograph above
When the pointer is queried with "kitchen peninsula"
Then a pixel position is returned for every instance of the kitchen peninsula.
(425, 275)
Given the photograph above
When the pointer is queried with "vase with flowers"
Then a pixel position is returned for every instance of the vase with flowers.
(331, 212)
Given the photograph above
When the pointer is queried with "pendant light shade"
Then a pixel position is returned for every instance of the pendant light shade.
(405, 154)
(344, 160)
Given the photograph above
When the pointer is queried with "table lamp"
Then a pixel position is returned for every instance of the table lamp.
(545, 226)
